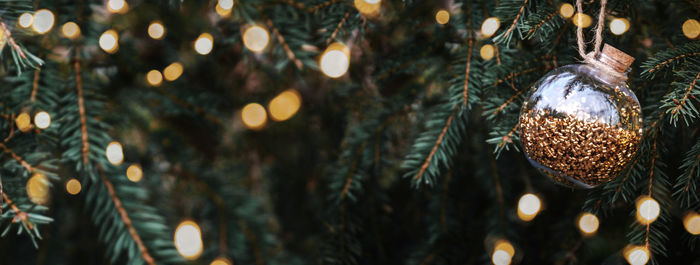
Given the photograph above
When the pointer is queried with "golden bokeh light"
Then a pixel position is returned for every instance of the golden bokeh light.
(25, 20)
(582, 20)
(42, 120)
(490, 26)
(221, 261)
(225, 4)
(487, 51)
(114, 153)
(284, 105)
(619, 26)
(222, 12)
(134, 173)
(368, 7)
(442, 17)
(156, 30)
(188, 240)
(503, 252)
(256, 38)
(70, 30)
(636, 255)
(23, 122)
(73, 186)
(204, 43)
(691, 222)
(528, 207)
(335, 60)
(38, 188)
(43, 21)
(173, 71)
(254, 116)
(691, 28)
(588, 223)
(109, 41)
(566, 10)
(154, 77)
(648, 209)
(117, 6)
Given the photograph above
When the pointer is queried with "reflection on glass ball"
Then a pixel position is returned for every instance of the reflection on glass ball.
(580, 126)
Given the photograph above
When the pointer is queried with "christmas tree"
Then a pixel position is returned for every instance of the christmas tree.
(348, 132)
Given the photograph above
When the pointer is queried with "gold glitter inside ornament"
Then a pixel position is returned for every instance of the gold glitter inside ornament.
(580, 124)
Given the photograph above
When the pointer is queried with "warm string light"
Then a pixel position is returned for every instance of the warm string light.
(42, 120)
(73, 186)
(582, 20)
(368, 7)
(588, 224)
(528, 207)
(490, 26)
(619, 26)
(114, 153)
(156, 30)
(285, 105)
(154, 78)
(188, 240)
(648, 209)
(254, 116)
(117, 6)
(221, 261)
(70, 30)
(636, 255)
(566, 10)
(134, 173)
(25, 20)
(487, 52)
(691, 222)
(23, 122)
(204, 43)
(43, 21)
(503, 252)
(224, 7)
(335, 60)
(109, 41)
(256, 38)
(442, 17)
(691, 28)
(172, 71)
(38, 188)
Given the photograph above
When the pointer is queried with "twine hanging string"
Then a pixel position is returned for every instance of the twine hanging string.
(592, 56)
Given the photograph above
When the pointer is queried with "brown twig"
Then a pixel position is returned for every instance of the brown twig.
(19, 159)
(337, 28)
(285, 46)
(81, 108)
(426, 163)
(687, 93)
(35, 85)
(465, 93)
(536, 27)
(349, 178)
(664, 63)
(514, 75)
(19, 214)
(11, 40)
(510, 100)
(12, 129)
(515, 21)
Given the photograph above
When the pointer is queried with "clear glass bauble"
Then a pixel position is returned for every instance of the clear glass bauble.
(580, 125)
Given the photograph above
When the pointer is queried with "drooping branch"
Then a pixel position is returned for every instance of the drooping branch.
(430, 156)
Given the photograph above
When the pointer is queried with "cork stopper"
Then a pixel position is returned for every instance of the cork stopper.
(615, 58)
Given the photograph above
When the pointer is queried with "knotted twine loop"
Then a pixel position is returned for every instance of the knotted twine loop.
(591, 57)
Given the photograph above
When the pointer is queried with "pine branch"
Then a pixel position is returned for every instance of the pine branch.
(686, 186)
(81, 109)
(670, 59)
(505, 10)
(678, 101)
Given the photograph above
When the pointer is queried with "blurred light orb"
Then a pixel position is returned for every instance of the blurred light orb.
(109, 41)
(487, 51)
(566, 10)
(114, 153)
(154, 77)
(188, 240)
(503, 252)
(70, 30)
(636, 255)
(38, 188)
(588, 223)
(23, 122)
(25, 20)
(173, 71)
(368, 7)
(256, 38)
(442, 17)
(43, 21)
(254, 116)
(221, 261)
(691, 222)
(73, 186)
(117, 6)
(42, 120)
(490, 26)
(225, 4)
(582, 20)
(156, 30)
(619, 26)
(222, 12)
(528, 207)
(648, 210)
(691, 28)
(204, 43)
(285, 105)
(134, 173)
(335, 61)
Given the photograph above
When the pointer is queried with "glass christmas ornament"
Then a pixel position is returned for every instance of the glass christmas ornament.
(580, 124)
